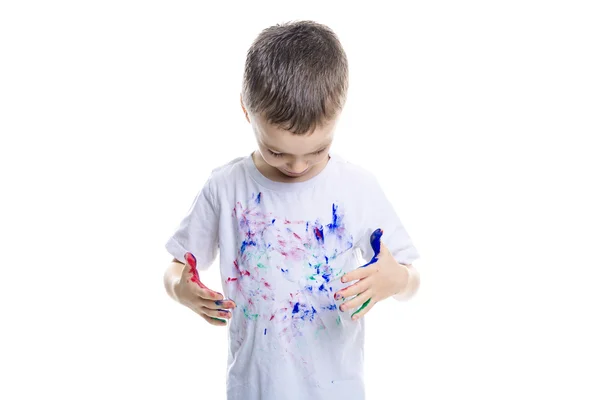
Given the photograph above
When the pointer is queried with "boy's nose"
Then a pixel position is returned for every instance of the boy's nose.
(298, 167)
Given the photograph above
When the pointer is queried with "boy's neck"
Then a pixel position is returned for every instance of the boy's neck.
(276, 175)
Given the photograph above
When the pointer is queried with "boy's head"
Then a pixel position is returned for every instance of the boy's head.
(295, 85)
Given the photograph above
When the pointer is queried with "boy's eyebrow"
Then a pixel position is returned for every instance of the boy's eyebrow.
(324, 145)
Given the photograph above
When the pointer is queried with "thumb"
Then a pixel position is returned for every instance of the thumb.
(376, 241)
(190, 268)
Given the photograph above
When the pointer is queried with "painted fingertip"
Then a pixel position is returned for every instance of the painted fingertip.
(219, 302)
(190, 259)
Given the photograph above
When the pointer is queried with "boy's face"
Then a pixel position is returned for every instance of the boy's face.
(290, 157)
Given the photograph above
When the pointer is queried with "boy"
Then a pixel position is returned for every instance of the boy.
(291, 222)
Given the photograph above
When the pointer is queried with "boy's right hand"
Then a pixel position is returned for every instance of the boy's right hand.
(192, 293)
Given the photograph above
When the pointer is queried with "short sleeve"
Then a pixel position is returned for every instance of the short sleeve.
(379, 213)
(198, 232)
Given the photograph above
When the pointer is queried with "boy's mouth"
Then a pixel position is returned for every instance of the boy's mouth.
(290, 173)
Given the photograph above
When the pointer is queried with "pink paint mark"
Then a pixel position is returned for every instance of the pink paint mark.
(287, 221)
(267, 285)
(297, 236)
(282, 243)
(231, 279)
(272, 316)
(264, 296)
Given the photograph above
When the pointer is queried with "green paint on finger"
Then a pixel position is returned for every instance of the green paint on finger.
(365, 304)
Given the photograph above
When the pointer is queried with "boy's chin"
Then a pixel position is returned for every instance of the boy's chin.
(290, 174)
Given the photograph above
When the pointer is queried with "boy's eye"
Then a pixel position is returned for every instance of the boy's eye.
(275, 154)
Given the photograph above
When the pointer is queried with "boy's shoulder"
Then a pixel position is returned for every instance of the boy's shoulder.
(224, 172)
(356, 173)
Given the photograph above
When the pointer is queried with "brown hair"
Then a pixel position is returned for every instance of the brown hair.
(296, 76)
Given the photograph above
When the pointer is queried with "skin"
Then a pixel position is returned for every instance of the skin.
(285, 157)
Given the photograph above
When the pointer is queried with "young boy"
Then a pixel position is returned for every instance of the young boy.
(292, 222)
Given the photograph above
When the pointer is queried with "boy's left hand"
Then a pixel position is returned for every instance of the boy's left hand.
(376, 282)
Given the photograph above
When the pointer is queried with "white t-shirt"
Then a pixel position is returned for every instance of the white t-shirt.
(283, 249)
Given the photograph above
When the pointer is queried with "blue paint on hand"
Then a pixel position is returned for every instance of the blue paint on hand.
(375, 245)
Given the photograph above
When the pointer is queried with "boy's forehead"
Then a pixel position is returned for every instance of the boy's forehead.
(283, 141)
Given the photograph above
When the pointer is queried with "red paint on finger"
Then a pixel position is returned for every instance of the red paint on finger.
(191, 261)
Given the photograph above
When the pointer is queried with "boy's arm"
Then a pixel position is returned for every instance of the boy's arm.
(413, 281)
(172, 276)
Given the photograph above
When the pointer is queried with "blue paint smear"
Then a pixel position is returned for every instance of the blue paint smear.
(307, 227)
(245, 244)
(265, 331)
(376, 245)
(335, 219)
(309, 288)
(322, 288)
(304, 314)
(258, 198)
(284, 270)
(326, 276)
(332, 307)
(273, 221)
(326, 260)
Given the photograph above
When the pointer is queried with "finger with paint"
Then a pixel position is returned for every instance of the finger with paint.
(205, 293)
(376, 246)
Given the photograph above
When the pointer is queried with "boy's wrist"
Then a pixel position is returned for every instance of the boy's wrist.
(410, 279)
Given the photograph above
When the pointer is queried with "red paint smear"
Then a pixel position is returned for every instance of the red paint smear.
(264, 296)
(272, 316)
(237, 266)
(231, 279)
(318, 234)
(287, 222)
(282, 243)
(297, 236)
(250, 302)
(267, 285)
(191, 260)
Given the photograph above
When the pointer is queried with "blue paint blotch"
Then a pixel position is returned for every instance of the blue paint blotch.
(272, 222)
(258, 198)
(265, 331)
(245, 244)
(335, 219)
(296, 308)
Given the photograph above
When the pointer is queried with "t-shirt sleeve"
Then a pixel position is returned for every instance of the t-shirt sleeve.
(379, 213)
(198, 232)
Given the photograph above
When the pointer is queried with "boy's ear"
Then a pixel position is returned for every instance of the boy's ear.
(244, 108)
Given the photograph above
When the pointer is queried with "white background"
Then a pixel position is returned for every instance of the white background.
(478, 117)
